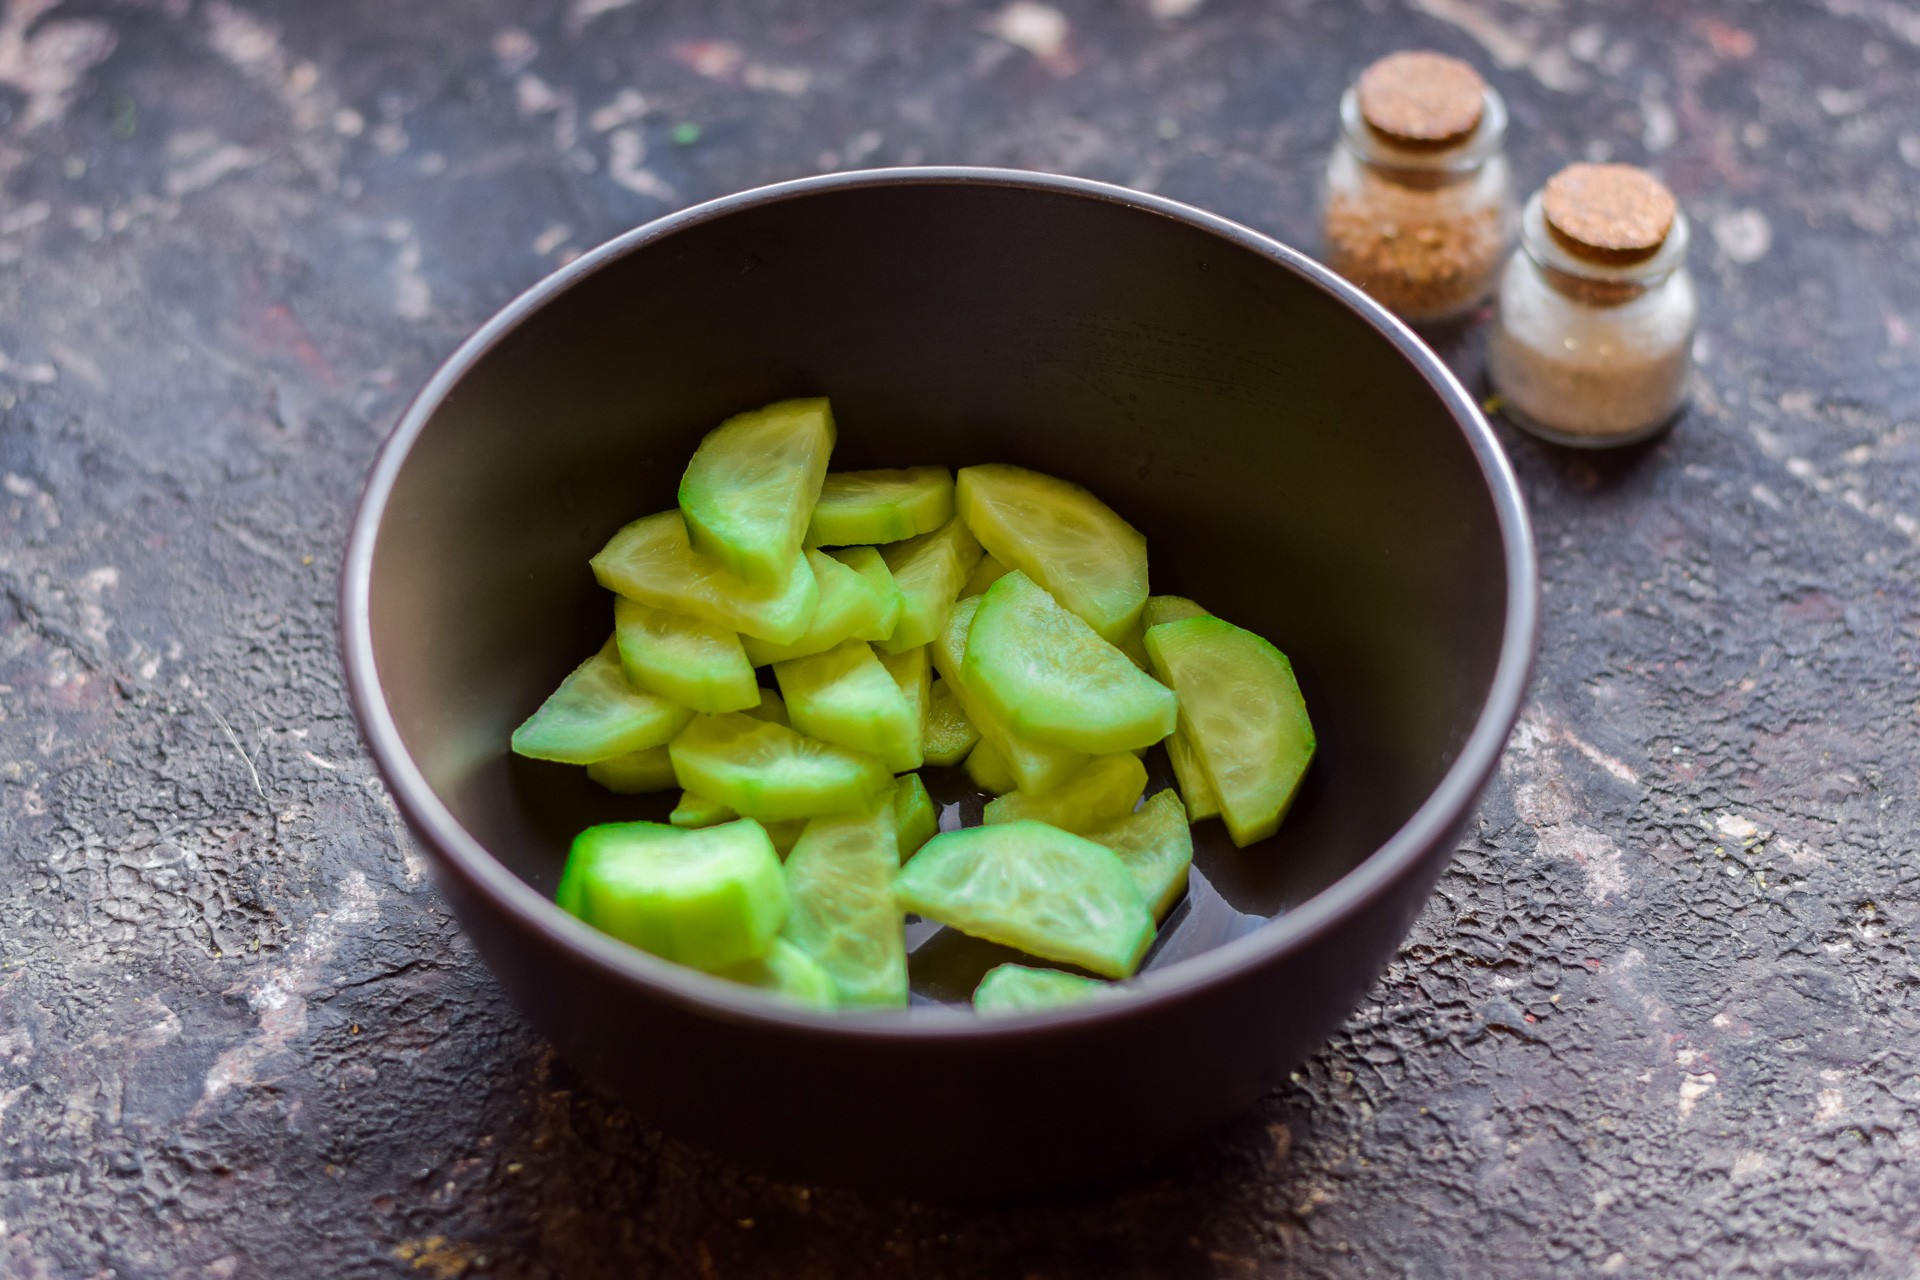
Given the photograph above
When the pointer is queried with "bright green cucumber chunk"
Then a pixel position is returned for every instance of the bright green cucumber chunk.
(698, 811)
(1018, 988)
(1243, 715)
(1161, 609)
(929, 570)
(871, 565)
(596, 714)
(1156, 844)
(771, 709)
(772, 773)
(635, 773)
(651, 561)
(985, 574)
(1037, 767)
(840, 879)
(845, 696)
(708, 898)
(749, 492)
(987, 766)
(1100, 794)
(948, 735)
(1050, 677)
(787, 971)
(1045, 891)
(1089, 559)
(915, 819)
(880, 506)
(1195, 787)
(697, 663)
(913, 672)
(850, 607)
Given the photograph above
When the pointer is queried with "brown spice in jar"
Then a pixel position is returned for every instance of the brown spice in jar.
(1415, 251)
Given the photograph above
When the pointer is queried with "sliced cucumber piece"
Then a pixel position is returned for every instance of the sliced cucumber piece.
(698, 811)
(913, 672)
(1161, 609)
(929, 570)
(949, 735)
(840, 880)
(708, 898)
(1050, 677)
(1090, 560)
(770, 772)
(596, 715)
(787, 971)
(1242, 713)
(636, 773)
(1036, 767)
(987, 766)
(985, 574)
(1017, 988)
(697, 663)
(1100, 794)
(850, 607)
(1046, 891)
(1195, 788)
(915, 819)
(771, 709)
(1156, 844)
(880, 506)
(749, 491)
(845, 696)
(871, 565)
(651, 561)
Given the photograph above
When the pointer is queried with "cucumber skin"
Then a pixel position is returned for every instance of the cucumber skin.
(1018, 988)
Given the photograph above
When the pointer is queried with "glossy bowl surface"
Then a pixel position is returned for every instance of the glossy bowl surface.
(1299, 461)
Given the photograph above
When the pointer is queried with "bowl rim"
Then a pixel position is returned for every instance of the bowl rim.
(460, 853)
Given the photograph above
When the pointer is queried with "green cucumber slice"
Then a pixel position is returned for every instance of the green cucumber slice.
(929, 570)
(1036, 767)
(708, 898)
(988, 767)
(651, 561)
(1050, 677)
(840, 880)
(949, 735)
(787, 971)
(1090, 560)
(697, 663)
(985, 574)
(698, 811)
(748, 494)
(913, 672)
(1046, 891)
(871, 565)
(1161, 609)
(1195, 788)
(1242, 713)
(1099, 795)
(850, 607)
(1017, 988)
(596, 715)
(1156, 844)
(915, 819)
(636, 773)
(771, 773)
(880, 506)
(845, 696)
(771, 709)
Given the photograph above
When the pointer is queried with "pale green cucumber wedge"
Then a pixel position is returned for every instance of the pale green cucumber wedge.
(850, 606)
(1050, 677)
(698, 811)
(771, 709)
(1045, 891)
(1089, 559)
(787, 971)
(949, 735)
(988, 768)
(871, 565)
(1036, 767)
(840, 881)
(596, 714)
(749, 492)
(697, 663)
(709, 898)
(1017, 988)
(929, 570)
(1156, 844)
(985, 574)
(636, 773)
(913, 672)
(1243, 715)
(880, 506)
(915, 819)
(1161, 609)
(1100, 794)
(772, 773)
(651, 561)
(1195, 788)
(846, 696)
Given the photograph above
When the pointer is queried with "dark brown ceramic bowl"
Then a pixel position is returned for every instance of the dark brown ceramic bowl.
(1299, 462)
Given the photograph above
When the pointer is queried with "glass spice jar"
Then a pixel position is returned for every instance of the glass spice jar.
(1592, 344)
(1418, 203)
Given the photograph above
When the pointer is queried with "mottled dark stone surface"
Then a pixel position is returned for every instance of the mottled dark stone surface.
(1660, 1019)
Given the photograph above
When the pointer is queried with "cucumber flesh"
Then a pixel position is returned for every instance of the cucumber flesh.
(850, 607)
(698, 811)
(596, 715)
(988, 768)
(1045, 891)
(1243, 715)
(1050, 676)
(709, 898)
(1090, 560)
(697, 663)
(871, 565)
(1100, 794)
(749, 492)
(1036, 767)
(1156, 844)
(651, 561)
(915, 819)
(772, 708)
(949, 735)
(880, 506)
(1161, 609)
(985, 574)
(1017, 988)
(929, 570)
(770, 772)
(636, 773)
(787, 971)
(840, 880)
(1195, 789)
(913, 672)
(845, 696)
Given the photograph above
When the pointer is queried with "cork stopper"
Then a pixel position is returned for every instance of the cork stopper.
(1421, 100)
(1609, 213)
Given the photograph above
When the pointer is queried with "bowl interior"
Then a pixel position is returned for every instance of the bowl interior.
(1292, 470)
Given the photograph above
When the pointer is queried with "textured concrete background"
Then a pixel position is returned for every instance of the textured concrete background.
(1660, 1018)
